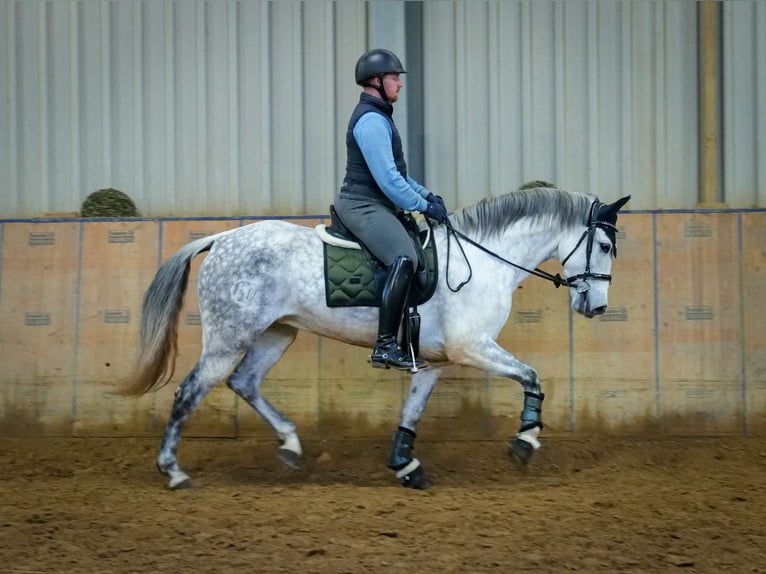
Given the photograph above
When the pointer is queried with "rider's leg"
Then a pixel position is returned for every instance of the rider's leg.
(378, 228)
(392, 303)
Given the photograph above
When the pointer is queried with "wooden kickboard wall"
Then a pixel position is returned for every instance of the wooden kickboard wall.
(680, 350)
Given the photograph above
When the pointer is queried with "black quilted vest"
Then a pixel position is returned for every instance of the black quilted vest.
(359, 181)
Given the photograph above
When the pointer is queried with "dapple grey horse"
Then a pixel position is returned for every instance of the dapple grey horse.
(262, 283)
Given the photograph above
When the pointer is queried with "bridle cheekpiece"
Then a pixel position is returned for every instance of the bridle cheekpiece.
(587, 235)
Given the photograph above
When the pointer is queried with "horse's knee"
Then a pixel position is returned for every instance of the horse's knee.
(530, 379)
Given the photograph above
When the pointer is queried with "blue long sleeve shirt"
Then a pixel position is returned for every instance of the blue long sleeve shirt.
(373, 136)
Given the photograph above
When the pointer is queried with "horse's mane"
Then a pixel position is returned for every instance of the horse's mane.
(548, 206)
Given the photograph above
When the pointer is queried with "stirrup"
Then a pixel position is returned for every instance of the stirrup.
(401, 363)
(387, 356)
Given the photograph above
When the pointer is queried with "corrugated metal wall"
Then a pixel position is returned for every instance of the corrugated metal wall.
(225, 107)
(190, 107)
(744, 97)
(593, 96)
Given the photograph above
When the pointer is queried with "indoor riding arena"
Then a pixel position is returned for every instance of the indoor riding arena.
(653, 451)
(200, 116)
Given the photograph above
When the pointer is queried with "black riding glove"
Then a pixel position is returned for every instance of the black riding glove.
(436, 211)
(437, 198)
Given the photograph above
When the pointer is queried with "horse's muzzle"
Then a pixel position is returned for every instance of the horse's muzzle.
(598, 311)
(581, 305)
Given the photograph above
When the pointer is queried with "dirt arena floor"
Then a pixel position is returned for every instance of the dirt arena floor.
(585, 505)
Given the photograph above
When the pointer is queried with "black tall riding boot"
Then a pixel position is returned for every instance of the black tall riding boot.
(392, 303)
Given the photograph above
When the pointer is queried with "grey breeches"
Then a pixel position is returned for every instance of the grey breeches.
(377, 227)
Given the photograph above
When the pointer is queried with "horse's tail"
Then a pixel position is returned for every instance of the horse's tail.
(155, 358)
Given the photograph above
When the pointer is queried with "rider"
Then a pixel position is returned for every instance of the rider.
(376, 188)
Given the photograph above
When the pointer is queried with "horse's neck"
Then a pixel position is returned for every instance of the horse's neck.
(528, 245)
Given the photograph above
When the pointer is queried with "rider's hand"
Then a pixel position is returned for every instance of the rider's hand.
(437, 211)
(437, 198)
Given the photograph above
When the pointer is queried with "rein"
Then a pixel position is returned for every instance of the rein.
(556, 279)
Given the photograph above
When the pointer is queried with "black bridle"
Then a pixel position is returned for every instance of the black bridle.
(588, 234)
(556, 279)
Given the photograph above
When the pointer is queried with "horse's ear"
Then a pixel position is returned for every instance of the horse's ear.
(617, 205)
(608, 211)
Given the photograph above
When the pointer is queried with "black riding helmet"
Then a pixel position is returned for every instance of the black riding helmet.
(375, 64)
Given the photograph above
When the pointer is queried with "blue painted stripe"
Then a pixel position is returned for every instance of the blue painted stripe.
(742, 319)
(160, 242)
(77, 293)
(321, 216)
(571, 372)
(657, 390)
(237, 399)
(402, 387)
(702, 211)
(2, 244)
(486, 404)
(139, 219)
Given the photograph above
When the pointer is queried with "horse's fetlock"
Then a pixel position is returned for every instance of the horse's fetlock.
(529, 436)
(290, 441)
(165, 462)
(408, 468)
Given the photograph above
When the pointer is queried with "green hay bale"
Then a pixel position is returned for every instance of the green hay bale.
(108, 203)
(537, 183)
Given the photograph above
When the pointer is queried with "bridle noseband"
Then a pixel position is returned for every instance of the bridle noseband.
(556, 279)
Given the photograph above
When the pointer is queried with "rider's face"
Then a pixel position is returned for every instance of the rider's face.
(392, 84)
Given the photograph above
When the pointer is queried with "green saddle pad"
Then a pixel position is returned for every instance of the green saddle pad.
(354, 278)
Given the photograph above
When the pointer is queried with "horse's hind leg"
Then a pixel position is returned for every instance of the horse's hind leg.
(211, 368)
(246, 381)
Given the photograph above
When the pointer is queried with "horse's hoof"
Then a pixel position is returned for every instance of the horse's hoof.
(415, 480)
(179, 480)
(289, 458)
(180, 483)
(521, 451)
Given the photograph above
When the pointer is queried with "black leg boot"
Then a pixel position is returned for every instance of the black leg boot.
(392, 302)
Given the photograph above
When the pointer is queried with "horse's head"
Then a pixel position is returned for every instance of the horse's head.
(586, 255)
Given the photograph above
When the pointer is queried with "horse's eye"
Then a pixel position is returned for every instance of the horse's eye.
(606, 247)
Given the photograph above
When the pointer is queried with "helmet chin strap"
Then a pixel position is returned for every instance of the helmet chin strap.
(381, 89)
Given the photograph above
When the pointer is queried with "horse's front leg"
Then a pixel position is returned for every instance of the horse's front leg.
(488, 356)
(409, 470)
